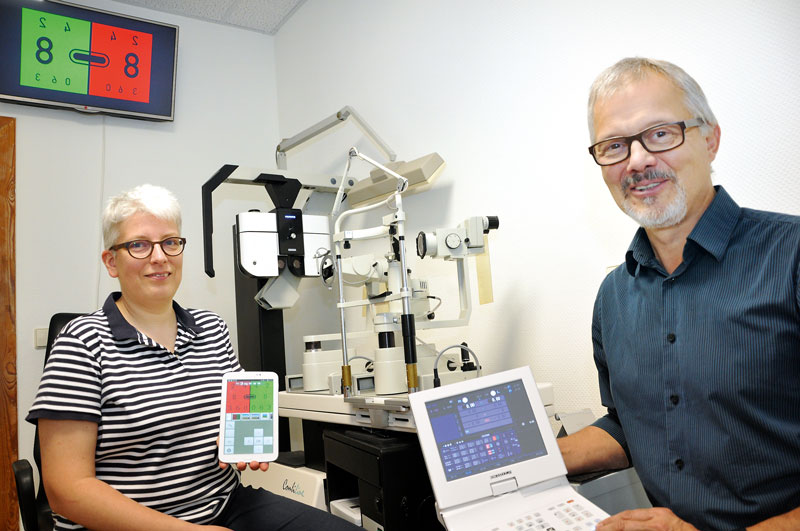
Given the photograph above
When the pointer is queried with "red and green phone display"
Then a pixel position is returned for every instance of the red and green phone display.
(78, 56)
(245, 396)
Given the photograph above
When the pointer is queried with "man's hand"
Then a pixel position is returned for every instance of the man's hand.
(655, 519)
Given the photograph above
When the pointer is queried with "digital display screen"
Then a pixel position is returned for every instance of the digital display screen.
(485, 429)
(249, 417)
(59, 54)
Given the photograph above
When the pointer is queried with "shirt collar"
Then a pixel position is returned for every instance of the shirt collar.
(712, 233)
(122, 329)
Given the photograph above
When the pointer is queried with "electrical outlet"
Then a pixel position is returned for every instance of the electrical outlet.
(40, 337)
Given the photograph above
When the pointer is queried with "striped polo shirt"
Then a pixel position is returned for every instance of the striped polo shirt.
(157, 412)
(699, 369)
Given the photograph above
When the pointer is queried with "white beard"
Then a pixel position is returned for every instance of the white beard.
(651, 216)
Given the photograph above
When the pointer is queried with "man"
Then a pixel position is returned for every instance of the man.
(696, 336)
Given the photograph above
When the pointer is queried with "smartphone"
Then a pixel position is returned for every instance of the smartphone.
(248, 428)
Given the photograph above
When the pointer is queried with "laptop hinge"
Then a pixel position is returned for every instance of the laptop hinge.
(504, 486)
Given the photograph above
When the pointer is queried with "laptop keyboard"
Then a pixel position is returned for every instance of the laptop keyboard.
(565, 516)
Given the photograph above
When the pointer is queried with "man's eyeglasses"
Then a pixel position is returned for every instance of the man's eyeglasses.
(144, 248)
(654, 139)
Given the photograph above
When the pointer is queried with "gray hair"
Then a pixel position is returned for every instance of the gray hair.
(637, 68)
(146, 198)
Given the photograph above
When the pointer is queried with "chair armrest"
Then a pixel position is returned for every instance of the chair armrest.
(23, 474)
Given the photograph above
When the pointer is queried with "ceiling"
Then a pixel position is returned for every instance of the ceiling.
(266, 16)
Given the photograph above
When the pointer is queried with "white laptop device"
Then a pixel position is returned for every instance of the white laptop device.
(493, 460)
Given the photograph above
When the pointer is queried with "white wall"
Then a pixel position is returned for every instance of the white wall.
(68, 164)
(499, 90)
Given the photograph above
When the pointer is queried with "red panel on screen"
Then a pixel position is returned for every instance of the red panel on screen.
(238, 399)
(126, 75)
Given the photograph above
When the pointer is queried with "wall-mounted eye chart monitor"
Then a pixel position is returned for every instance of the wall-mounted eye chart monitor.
(63, 55)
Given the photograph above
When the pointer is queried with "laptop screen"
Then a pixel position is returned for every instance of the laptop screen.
(480, 430)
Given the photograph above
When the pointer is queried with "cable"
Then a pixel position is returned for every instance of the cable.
(360, 357)
(337, 202)
(370, 361)
(321, 255)
(364, 276)
(432, 310)
(436, 381)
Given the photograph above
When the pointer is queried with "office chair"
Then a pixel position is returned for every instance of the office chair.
(35, 509)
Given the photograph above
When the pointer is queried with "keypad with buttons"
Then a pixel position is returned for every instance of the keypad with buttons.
(565, 516)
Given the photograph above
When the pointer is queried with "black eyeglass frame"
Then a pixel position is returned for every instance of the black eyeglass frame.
(685, 124)
(127, 246)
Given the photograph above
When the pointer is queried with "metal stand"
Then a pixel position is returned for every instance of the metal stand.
(260, 340)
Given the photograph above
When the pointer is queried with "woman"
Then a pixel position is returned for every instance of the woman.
(128, 405)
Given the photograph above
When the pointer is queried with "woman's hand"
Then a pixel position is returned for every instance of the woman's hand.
(240, 466)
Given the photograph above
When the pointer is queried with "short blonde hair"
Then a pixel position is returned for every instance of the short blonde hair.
(147, 198)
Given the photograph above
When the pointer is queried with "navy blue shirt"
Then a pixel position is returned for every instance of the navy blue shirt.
(700, 369)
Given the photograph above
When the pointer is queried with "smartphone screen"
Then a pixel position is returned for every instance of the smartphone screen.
(249, 424)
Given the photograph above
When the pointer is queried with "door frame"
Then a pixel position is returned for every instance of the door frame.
(9, 450)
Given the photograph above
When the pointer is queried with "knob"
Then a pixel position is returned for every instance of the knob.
(452, 240)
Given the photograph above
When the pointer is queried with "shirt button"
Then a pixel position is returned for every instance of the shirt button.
(671, 337)
(674, 399)
(679, 464)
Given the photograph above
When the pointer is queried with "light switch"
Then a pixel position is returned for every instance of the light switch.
(40, 337)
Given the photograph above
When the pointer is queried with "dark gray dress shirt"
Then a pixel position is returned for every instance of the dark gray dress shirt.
(700, 369)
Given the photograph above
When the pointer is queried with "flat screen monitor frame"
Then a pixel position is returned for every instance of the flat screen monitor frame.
(466, 489)
(112, 38)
